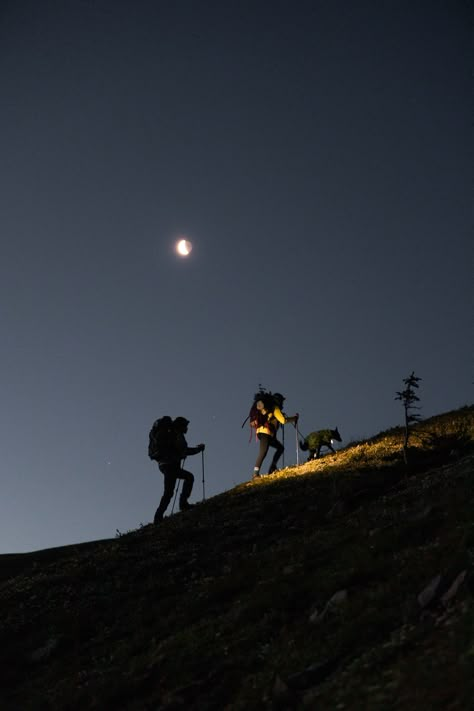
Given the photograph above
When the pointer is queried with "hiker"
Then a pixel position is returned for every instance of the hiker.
(170, 457)
(266, 416)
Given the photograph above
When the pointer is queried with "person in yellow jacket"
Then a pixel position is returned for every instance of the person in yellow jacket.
(269, 416)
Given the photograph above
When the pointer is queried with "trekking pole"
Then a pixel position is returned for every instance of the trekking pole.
(283, 438)
(179, 481)
(175, 495)
(203, 482)
(297, 434)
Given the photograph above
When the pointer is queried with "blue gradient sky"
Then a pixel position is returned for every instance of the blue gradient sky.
(319, 157)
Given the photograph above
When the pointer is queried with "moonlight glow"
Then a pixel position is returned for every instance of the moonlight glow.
(184, 247)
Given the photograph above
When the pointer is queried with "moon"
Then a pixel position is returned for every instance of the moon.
(184, 247)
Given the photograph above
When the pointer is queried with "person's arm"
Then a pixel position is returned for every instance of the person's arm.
(195, 450)
(282, 418)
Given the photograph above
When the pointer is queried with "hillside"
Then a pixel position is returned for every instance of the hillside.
(345, 583)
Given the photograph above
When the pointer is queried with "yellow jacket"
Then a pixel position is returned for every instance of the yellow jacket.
(273, 421)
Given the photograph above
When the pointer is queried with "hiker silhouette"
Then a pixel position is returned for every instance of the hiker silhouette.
(170, 458)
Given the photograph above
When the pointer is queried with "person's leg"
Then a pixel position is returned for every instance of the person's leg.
(169, 472)
(279, 449)
(188, 481)
(262, 452)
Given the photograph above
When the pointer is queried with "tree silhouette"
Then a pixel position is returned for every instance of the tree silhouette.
(408, 398)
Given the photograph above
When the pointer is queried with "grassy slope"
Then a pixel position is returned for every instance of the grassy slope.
(225, 607)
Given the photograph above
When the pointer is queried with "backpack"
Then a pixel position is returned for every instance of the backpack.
(161, 438)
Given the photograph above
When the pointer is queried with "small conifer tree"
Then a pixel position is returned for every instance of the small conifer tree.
(408, 398)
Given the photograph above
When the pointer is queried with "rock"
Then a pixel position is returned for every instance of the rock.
(429, 593)
(312, 675)
(339, 598)
(45, 651)
(454, 587)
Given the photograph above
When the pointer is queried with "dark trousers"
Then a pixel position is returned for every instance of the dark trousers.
(173, 471)
(267, 441)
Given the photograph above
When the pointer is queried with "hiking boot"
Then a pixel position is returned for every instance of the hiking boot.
(158, 518)
(256, 472)
(185, 506)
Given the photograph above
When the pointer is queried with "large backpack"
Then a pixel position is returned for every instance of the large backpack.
(162, 438)
(270, 401)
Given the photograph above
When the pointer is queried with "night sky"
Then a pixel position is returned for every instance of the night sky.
(318, 155)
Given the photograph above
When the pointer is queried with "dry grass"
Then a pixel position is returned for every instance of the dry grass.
(226, 606)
